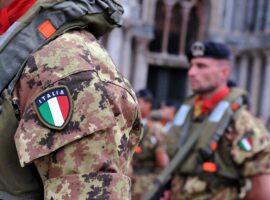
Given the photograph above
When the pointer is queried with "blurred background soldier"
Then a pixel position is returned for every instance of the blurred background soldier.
(150, 156)
(72, 116)
(231, 153)
(145, 100)
(165, 114)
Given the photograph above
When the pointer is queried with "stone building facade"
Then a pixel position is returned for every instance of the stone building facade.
(150, 48)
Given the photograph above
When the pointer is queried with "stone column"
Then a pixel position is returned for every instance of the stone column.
(114, 46)
(217, 11)
(238, 15)
(243, 65)
(141, 67)
(147, 10)
(186, 7)
(249, 15)
(266, 91)
(233, 68)
(255, 84)
(260, 12)
(203, 14)
(125, 57)
(267, 23)
(228, 19)
(166, 30)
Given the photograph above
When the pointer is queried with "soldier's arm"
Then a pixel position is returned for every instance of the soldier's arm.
(251, 149)
(260, 187)
(162, 158)
(89, 157)
(85, 169)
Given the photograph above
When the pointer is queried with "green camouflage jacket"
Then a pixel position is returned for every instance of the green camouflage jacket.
(89, 158)
(249, 146)
(144, 163)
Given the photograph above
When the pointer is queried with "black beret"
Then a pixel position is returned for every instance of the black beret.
(209, 49)
(145, 94)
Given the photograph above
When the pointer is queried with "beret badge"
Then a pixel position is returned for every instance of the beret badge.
(197, 49)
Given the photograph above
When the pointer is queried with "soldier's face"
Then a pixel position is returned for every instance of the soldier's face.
(208, 75)
(168, 112)
(145, 107)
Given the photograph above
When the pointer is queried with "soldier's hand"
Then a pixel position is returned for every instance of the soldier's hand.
(259, 187)
(166, 195)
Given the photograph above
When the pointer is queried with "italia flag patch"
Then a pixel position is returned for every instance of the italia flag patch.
(54, 107)
(246, 143)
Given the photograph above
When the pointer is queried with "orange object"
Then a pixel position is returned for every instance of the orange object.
(47, 29)
(235, 107)
(138, 150)
(214, 146)
(209, 167)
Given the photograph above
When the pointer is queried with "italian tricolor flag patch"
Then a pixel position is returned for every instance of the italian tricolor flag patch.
(246, 143)
(54, 107)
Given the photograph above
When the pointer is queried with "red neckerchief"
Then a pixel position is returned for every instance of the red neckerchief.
(144, 116)
(163, 121)
(204, 106)
(13, 12)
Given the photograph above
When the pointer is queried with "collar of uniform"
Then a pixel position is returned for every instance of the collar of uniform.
(204, 106)
(12, 12)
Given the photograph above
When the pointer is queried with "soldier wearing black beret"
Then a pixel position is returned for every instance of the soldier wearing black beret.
(228, 157)
(209, 49)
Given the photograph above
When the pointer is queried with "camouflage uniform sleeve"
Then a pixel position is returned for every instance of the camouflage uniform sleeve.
(157, 132)
(89, 158)
(251, 147)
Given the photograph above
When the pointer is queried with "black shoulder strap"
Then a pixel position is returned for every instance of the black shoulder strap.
(15, 52)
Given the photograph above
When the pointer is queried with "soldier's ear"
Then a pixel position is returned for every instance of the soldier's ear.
(226, 69)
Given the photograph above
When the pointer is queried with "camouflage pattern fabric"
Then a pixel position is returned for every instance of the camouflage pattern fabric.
(251, 161)
(89, 158)
(144, 163)
(140, 183)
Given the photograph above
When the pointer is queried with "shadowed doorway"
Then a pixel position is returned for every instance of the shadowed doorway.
(167, 83)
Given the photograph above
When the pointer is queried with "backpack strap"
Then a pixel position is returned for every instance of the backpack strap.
(40, 26)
